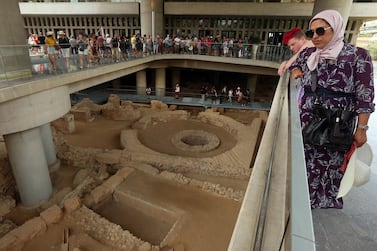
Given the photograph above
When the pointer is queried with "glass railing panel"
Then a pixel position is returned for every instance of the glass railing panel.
(20, 61)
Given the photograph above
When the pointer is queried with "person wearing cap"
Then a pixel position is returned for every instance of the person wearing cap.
(50, 49)
(296, 41)
(343, 73)
(65, 46)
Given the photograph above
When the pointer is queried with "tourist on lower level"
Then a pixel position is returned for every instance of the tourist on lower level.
(213, 94)
(177, 90)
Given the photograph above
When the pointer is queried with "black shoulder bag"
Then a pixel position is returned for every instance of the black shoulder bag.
(330, 128)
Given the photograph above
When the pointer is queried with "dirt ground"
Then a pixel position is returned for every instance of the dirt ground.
(209, 219)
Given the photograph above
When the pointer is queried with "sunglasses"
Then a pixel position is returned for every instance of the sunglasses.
(320, 31)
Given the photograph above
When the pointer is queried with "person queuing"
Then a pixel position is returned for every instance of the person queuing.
(51, 49)
(65, 46)
(83, 43)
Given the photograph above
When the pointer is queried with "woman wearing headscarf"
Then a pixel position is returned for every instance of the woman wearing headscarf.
(345, 72)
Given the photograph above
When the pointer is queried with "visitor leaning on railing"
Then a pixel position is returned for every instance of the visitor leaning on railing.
(40, 63)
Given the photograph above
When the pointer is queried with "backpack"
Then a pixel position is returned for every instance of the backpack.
(64, 42)
(114, 42)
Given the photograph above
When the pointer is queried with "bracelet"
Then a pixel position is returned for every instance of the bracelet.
(364, 127)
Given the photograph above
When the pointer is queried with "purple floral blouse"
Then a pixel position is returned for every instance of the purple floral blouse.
(350, 74)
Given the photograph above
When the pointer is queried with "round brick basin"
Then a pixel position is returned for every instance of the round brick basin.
(195, 141)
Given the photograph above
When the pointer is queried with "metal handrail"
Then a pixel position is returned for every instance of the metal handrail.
(263, 211)
(255, 211)
(302, 234)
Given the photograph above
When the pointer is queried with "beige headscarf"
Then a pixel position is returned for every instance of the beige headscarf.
(333, 48)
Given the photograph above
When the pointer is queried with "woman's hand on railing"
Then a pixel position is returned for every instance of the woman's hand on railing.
(296, 73)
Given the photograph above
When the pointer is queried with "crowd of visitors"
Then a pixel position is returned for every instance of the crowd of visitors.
(226, 95)
(86, 50)
(120, 48)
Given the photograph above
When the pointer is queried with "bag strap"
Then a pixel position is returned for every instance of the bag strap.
(314, 81)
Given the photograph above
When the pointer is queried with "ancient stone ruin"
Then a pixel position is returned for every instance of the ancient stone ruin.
(141, 196)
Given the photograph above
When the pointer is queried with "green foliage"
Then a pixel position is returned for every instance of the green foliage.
(372, 48)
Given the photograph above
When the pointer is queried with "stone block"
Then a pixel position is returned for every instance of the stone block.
(80, 176)
(158, 105)
(146, 168)
(168, 175)
(69, 121)
(113, 182)
(110, 158)
(30, 229)
(88, 201)
(52, 214)
(100, 193)
(124, 172)
(7, 203)
(82, 114)
(72, 204)
(102, 173)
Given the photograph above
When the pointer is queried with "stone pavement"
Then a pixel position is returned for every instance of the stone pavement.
(355, 226)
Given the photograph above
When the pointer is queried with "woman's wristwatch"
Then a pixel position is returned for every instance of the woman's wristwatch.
(364, 127)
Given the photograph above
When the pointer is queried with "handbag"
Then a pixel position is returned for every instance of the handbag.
(331, 128)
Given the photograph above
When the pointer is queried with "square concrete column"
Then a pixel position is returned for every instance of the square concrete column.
(343, 7)
(141, 82)
(160, 81)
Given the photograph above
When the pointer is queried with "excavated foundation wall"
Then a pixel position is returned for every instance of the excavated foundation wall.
(99, 171)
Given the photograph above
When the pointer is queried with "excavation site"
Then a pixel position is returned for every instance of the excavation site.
(137, 177)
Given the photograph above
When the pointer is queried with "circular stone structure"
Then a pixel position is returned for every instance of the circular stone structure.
(195, 141)
(158, 137)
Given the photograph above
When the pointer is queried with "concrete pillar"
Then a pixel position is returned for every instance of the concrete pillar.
(49, 147)
(151, 17)
(158, 6)
(141, 82)
(252, 85)
(146, 17)
(175, 77)
(29, 165)
(160, 81)
(343, 7)
(17, 62)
